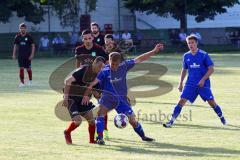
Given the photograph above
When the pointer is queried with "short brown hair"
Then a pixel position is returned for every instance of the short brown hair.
(99, 59)
(22, 25)
(192, 37)
(94, 24)
(115, 56)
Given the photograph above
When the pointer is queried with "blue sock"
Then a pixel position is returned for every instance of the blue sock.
(176, 112)
(218, 111)
(100, 126)
(139, 130)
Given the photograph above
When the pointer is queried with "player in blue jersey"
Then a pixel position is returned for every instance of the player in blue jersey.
(199, 66)
(114, 96)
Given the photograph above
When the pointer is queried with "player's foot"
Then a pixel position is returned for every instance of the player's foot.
(147, 139)
(168, 125)
(100, 142)
(68, 137)
(105, 134)
(29, 83)
(223, 120)
(21, 85)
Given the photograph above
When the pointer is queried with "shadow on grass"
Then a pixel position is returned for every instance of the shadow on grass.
(193, 126)
(157, 148)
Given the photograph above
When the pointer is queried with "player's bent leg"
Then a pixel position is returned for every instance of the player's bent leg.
(138, 128)
(177, 110)
(100, 123)
(76, 121)
(91, 126)
(217, 110)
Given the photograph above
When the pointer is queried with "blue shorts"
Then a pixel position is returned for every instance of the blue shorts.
(190, 93)
(121, 106)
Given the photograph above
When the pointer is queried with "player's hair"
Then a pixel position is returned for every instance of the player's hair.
(86, 31)
(109, 36)
(192, 37)
(22, 25)
(99, 59)
(115, 56)
(94, 24)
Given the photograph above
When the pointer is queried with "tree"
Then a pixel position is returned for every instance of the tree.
(29, 9)
(178, 9)
(68, 11)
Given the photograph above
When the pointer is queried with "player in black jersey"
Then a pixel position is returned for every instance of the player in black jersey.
(74, 89)
(98, 37)
(23, 50)
(86, 53)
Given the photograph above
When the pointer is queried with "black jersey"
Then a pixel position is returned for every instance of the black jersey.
(99, 40)
(24, 43)
(87, 56)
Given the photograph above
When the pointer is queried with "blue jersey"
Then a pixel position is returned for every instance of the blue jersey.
(197, 66)
(115, 81)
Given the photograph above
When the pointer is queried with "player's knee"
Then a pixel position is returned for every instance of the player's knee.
(77, 120)
(212, 103)
(133, 122)
(91, 122)
(182, 102)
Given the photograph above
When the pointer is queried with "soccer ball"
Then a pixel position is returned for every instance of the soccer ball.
(120, 120)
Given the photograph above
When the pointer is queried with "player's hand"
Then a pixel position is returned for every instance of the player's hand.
(201, 83)
(85, 100)
(65, 102)
(180, 87)
(14, 56)
(158, 47)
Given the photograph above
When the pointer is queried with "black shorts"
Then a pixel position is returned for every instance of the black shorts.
(75, 108)
(24, 63)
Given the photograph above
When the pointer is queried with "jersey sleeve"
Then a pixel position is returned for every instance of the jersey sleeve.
(101, 76)
(78, 75)
(208, 61)
(184, 64)
(16, 40)
(130, 64)
(103, 54)
(31, 41)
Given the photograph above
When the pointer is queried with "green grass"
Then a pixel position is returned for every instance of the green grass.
(30, 129)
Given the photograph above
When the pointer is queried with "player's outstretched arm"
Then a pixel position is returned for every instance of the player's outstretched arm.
(86, 98)
(206, 76)
(147, 55)
(182, 77)
(68, 82)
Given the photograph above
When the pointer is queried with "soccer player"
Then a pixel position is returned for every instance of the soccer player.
(110, 45)
(199, 66)
(74, 89)
(86, 53)
(114, 96)
(25, 47)
(98, 37)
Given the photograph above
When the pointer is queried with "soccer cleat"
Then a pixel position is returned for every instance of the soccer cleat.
(168, 125)
(21, 85)
(68, 138)
(30, 83)
(100, 142)
(223, 120)
(147, 139)
(105, 134)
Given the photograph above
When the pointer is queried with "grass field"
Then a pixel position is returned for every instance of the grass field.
(31, 131)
